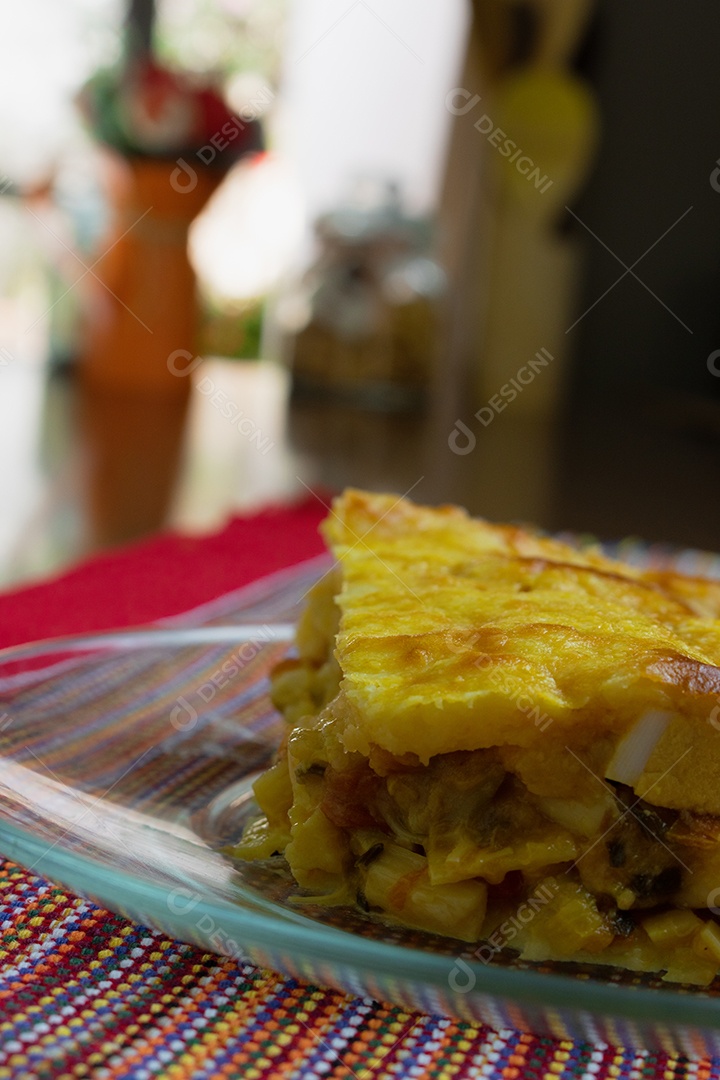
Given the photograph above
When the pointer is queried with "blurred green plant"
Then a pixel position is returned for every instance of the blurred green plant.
(233, 331)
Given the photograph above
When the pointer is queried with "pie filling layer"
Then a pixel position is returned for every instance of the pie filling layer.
(489, 780)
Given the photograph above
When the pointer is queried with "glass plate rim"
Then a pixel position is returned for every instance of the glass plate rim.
(642, 1003)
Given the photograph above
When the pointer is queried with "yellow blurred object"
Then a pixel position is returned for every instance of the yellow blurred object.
(553, 119)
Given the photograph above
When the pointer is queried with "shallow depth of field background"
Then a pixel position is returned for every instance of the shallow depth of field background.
(448, 193)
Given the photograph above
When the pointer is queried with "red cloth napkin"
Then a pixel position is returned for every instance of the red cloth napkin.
(162, 576)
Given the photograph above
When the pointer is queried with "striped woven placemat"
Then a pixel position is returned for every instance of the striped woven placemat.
(85, 993)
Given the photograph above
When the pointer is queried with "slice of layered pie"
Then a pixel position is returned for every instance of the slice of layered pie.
(496, 737)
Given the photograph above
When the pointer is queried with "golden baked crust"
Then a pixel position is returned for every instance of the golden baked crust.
(484, 721)
(449, 622)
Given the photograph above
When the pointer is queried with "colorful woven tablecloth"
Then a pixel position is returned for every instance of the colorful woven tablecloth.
(84, 993)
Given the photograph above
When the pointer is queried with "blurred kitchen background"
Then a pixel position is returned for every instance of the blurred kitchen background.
(256, 250)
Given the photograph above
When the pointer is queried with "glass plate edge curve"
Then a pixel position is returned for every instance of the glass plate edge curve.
(561, 1006)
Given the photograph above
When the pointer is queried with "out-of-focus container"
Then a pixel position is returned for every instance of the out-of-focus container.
(365, 316)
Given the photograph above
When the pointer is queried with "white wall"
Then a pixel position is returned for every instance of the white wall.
(364, 91)
(49, 48)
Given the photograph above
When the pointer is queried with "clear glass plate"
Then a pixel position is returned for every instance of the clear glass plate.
(127, 764)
